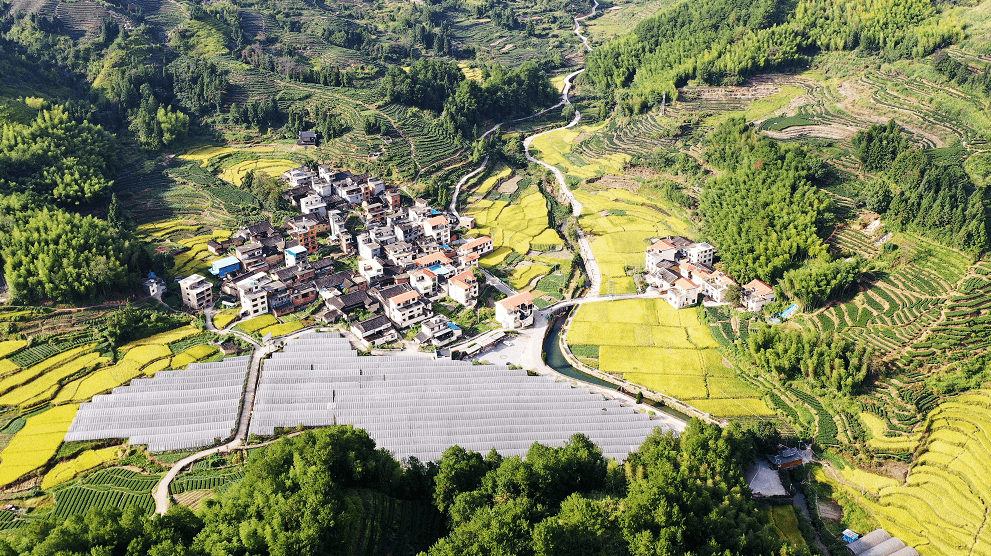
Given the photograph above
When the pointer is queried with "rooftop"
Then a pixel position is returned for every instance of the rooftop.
(473, 243)
(758, 287)
(404, 297)
(510, 303)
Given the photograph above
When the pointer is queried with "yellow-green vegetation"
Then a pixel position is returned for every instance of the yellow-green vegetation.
(272, 167)
(257, 323)
(192, 355)
(7, 366)
(10, 346)
(785, 522)
(555, 148)
(277, 330)
(648, 342)
(35, 444)
(45, 386)
(222, 319)
(491, 181)
(196, 259)
(204, 154)
(623, 223)
(879, 441)
(21, 377)
(870, 482)
(471, 73)
(942, 508)
(131, 365)
(513, 227)
(164, 338)
(761, 108)
(524, 275)
(85, 461)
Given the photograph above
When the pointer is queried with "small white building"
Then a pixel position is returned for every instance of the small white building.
(438, 331)
(253, 295)
(516, 311)
(683, 293)
(313, 204)
(154, 286)
(479, 245)
(370, 268)
(463, 288)
(196, 292)
(701, 253)
(423, 281)
(756, 294)
(406, 308)
(295, 255)
(438, 228)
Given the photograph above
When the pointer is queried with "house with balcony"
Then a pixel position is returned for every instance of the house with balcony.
(437, 331)
(423, 281)
(438, 228)
(374, 332)
(399, 253)
(253, 295)
(479, 246)
(515, 312)
(756, 294)
(196, 292)
(463, 288)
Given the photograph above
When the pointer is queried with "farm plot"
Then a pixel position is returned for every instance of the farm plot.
(623, 224)
(192, 355)
(44, 387)
(281, 329)
(8, 347)
(648, 342)
(271, 167)
(516, 225)
(67, 470)
(107, 488)
(254, 325)
(35, 444)
(556, 148)
(942, 506)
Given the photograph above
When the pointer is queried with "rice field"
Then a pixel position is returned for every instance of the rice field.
(192, 355)
(515, 226)
(785, 523)
(282, 329)
(12, 381)
(622, 225)
(10, 346)
(523, 275)
(45, 386)
(272, 167)
(942, 507)
(67, 470)
(130, 366)
(254, 325)
(34, 445)
(648, 342)
(222, 319)
(556, 148)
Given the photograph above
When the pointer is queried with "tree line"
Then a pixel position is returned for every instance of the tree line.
(826, 361)
(916, 191)
(726, 41)
(303, 497)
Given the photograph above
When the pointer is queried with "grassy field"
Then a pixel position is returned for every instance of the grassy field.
(648, 342)
(622, 224)
(35, 444)
(192, 355)
(556, 148)
(785, 523)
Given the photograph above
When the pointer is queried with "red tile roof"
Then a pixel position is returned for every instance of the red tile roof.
(466, 276)
(685, 284)
(471, 244)
(661, 245)
(759, 288)
(515, 301)
(404, 297)
(437, 220)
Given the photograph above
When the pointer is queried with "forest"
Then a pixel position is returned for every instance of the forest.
(726, 41)
(828, 362)
(301, 497)
(918, 193)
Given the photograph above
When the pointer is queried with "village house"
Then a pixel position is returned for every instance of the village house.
(307, 139)
(477, 246)
(438, 331)
(348, 303)
(253, 296)
(756, 294)
(438, 228)
(463, 288)
(683, 293)
(227, 265)
(374, 332)
(153, 285)
(406, 308)
(313, 204)
(423, 281)
(516, 311)
(399, 253)
(371, 269)
(682, 270)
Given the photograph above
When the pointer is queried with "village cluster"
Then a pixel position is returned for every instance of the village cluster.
(408, 258)
(682, 269)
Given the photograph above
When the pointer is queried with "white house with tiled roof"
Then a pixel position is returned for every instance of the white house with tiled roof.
(756, 294)
(516, 311)
(463, 288)
(479, 245)
(406, 308)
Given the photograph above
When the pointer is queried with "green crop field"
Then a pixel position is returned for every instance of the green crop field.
(648, 342)
(113, 487)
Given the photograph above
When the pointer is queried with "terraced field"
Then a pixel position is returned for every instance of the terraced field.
(557, 149)
(107, 488)
(647, 342)
(942, 508)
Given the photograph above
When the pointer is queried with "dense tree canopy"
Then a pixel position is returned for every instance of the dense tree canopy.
(506, 93)
(428, 83)
(49, 253)
(763, 214)
(301, 497)
(56, 157)
(830, 362)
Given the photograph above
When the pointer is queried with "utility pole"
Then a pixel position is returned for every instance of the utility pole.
(664, 98)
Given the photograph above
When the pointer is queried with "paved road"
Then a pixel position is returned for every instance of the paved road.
(499, 284)
(457, 188)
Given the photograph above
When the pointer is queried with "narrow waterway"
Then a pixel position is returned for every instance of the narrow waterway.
(555, 360)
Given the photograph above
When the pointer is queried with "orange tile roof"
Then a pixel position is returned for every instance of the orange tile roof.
(466, 276)
(425, 272)
(404, 297)
(515, 301)
(460, 284)
(476, 242)
(432, 258)
(437, 220)
(661, 245)
(685, 284)
(759, 288)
